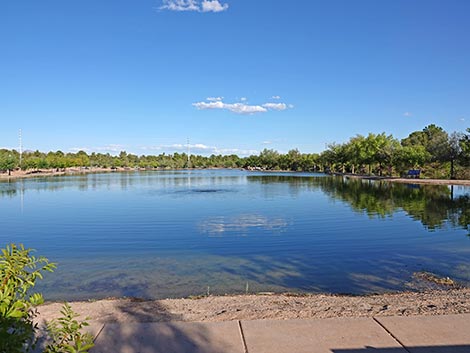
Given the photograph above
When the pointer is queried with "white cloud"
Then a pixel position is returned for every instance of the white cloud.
(267, 142)
(462, 119)
(111, 148)
(209, 105)
(275, 106)
(194, 5)
(180, 5)
(199, 148)
(243, 99)
(407, 114)
(213, 6)
(240, 108)
(77, 149)
(242, 224)
(275, 97)
(238, 152)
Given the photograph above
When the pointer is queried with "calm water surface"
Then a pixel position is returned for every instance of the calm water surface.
(181, 233)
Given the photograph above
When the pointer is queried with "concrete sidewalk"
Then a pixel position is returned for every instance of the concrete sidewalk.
(417, 334)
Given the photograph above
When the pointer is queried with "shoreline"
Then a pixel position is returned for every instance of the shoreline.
(408, 181)
(268, 306)
(92, 170)
(40, 173)
(26, 174)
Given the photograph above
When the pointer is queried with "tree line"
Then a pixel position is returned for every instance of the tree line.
(433, 151)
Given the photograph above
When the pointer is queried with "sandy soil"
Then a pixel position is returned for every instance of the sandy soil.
(412, 181)
(429, 181)
(20, 174)
(269, 306)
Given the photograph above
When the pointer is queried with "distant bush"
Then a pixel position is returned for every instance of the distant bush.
(19, 270)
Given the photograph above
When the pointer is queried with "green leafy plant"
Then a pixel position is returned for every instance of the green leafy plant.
(66, 334)
(19, 270)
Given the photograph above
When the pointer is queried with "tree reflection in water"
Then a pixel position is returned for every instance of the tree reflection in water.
(435, 206)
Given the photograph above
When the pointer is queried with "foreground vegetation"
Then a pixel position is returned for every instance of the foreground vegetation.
(19, 270)
(436, 153)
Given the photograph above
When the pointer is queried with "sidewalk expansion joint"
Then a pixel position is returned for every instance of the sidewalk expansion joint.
(391, 334)
(242, 336)
(99, 332)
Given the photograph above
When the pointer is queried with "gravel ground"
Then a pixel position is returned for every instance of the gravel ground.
(269, 306)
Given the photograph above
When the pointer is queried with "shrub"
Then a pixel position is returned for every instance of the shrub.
(66, 335)
(19, 270)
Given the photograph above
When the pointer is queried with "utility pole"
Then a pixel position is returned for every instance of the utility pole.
(21, 148)
(189, 156)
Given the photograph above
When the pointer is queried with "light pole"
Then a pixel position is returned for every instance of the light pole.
(21, 148)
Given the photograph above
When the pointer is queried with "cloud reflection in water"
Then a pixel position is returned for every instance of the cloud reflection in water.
(242, 224)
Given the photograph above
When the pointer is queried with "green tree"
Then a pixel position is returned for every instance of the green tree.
(56, 160)
(410, 157)
(268, 159)
(7, 162)
(465, 148)
(294, 157)
(81, 159)
(454, 150)
(356, 152)
(437, 142)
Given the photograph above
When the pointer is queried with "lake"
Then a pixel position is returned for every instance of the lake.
(179, 233)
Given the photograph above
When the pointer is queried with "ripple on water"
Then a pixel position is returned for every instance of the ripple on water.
(164, 234)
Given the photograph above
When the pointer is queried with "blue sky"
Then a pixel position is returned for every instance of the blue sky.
(233, 76)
